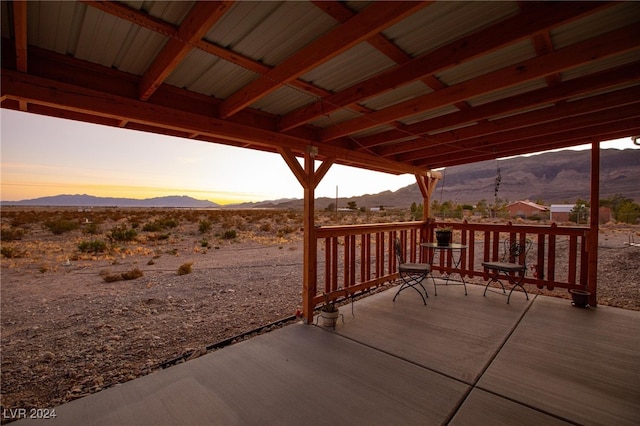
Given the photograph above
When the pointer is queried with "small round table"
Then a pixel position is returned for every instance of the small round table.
(452, 248)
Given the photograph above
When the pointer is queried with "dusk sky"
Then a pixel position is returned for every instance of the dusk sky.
(43, 156)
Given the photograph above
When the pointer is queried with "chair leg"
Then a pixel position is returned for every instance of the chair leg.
(517, 284)
(494, 278)
(412, 282)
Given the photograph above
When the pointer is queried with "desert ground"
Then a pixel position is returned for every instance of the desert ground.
(94, 298)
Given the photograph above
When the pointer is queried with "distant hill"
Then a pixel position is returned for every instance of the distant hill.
(556, 177)
(84, 200)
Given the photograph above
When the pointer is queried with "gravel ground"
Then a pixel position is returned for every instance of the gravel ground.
(67, 333)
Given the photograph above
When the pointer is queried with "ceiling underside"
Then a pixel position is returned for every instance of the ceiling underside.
(400, 87)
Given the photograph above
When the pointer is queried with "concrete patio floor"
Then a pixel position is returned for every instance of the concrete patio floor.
(460, 360)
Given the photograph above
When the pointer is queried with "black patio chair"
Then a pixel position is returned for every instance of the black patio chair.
(514, 260)
(411, 274)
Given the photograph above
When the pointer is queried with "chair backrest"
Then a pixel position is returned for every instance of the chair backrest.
(399, 253)
(516, 250)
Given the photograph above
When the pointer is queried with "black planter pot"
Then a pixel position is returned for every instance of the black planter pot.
(580, 298)
(443, 237)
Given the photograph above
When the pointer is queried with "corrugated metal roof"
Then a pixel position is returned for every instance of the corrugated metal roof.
(621, 15)
(448, 109)
(445, 21)
(283, 100)
(351, 67)
(507, 92)
(403, 93)
(210, 75)
(270, 32)
(601, 65)
(337, 116)
(54, 34)
(493, 61)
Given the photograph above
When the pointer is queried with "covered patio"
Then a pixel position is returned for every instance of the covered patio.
(460, 360)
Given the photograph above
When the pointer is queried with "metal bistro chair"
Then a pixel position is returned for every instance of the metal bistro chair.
(509, 265)
(411, 274)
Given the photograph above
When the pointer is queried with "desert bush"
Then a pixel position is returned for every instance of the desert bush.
(160, 224)
(152, 227)
(122, 233)
(204, 226)
(92, 229)
(185, 268)
(129, 275)
(265, 227)
(133, 274)
(94, 246)
(10, 252)
(285, 231)
(229, 234)
(60, 226)
(158, 237)
(11, 234)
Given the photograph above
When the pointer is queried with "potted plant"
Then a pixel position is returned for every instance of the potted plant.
(580, 297)
(443, 235)
(329, 312)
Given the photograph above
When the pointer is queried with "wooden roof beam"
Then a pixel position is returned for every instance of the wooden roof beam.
(201, 17)
(566, 126)
(609, 44)
(543, 16)
(136, 17)
(20, 33)
(564, 111)
(60, 95)
(341, 13)
(542, 143)
(375, 18)
(567, 89)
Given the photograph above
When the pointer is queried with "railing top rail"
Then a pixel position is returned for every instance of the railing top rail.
(552, 229)
(338, 230)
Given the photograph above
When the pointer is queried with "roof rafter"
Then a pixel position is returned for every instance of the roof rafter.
(545, 15)
(197, 23)
(564, 90)
(59, 95)
(146, 21)
(562, 111)
(614, 42)
(601, 132)
(569, 124)
(372, 20)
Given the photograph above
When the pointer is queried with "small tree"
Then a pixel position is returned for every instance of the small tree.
(352, 205)
(580, 211)
(628, 212)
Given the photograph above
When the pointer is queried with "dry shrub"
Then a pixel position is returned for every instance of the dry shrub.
(129, 275)
(185, 268)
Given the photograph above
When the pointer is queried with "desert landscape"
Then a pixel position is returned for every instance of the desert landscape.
(97, 297)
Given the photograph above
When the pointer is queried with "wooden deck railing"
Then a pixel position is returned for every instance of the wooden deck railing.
(355, 258)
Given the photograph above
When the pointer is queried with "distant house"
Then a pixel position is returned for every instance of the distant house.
(561, 212)
(526, 209)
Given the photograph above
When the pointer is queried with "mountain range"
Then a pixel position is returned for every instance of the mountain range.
(84, 200)
(554, 177)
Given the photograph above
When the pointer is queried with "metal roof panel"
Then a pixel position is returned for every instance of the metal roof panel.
(618, 16)
(283, 100)
(445, 21)
(270, 32)
(402, 93)
(355, 65)
(492, 61)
